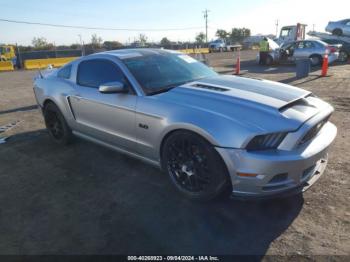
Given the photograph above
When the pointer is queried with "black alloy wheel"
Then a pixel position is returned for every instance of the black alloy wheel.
(194, 166)
(56, 125)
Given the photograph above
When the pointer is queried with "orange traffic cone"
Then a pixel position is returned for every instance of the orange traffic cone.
(325, 65)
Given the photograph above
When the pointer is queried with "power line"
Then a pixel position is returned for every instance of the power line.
(98, 28)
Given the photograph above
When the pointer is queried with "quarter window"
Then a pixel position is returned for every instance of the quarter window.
(65, 72)
(93, 73)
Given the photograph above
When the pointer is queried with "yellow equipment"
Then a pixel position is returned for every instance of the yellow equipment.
(7, 53)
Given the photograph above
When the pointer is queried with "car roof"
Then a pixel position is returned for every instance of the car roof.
(136, 52)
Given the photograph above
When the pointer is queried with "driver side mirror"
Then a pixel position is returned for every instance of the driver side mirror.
(112, 88)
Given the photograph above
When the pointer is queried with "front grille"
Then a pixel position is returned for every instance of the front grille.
(307, 171)
(279, 178)
(313, 131)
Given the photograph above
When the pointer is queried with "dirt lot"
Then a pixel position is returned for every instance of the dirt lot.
(85, 199)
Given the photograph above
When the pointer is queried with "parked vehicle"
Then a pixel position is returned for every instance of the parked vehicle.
(315, 50)
(208, 132)
(339, 28)
(344, 48)
(291, 33)
(220, 45)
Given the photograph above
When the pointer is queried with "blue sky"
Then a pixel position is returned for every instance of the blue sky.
(258, 15)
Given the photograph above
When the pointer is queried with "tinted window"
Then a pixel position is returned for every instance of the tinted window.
(93, 73)
(65, 72)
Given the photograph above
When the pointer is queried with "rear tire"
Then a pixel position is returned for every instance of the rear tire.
(56, 125)
(194, 166)
(337, 32)
(343, 56)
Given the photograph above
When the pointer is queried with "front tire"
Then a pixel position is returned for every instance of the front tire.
(56, 125)
(269, 60)
(194, 166)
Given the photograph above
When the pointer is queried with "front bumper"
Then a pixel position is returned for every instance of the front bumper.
(279, 171)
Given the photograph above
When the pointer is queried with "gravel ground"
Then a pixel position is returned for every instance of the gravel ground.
(85, 199)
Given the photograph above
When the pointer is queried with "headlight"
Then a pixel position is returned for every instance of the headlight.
(264, 142)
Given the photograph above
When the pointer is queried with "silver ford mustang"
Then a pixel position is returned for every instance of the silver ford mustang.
(208, 132)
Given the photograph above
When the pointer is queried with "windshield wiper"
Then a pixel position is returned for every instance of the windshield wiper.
(171, 86)
(162, 90)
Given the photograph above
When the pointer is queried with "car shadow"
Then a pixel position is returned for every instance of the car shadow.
(86, 199)
(19, 109)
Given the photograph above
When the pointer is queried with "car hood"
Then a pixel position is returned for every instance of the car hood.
(261, 105)
(272, 44)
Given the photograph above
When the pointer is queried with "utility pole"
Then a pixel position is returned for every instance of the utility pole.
(206, 11)
(82, 46)
(276, 24)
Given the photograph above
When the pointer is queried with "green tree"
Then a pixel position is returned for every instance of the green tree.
(75, 46)
(165, 42)
(239, 34)
(112, 45)
(96, 41)
(143, 39)
(223, 34)
(200, 38)
(39, 42)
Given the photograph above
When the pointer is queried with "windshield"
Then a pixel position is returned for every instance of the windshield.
(285, 31)
(158, 72)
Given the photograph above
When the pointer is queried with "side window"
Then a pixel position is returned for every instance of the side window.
(300, 45)
(309, 45)
(65, 72)
(93, 73)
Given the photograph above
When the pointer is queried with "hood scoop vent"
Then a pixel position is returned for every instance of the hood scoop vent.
(209, 87)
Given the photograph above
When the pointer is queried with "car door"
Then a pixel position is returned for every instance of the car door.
(304, 49)
(299, 51)
(109, 118)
